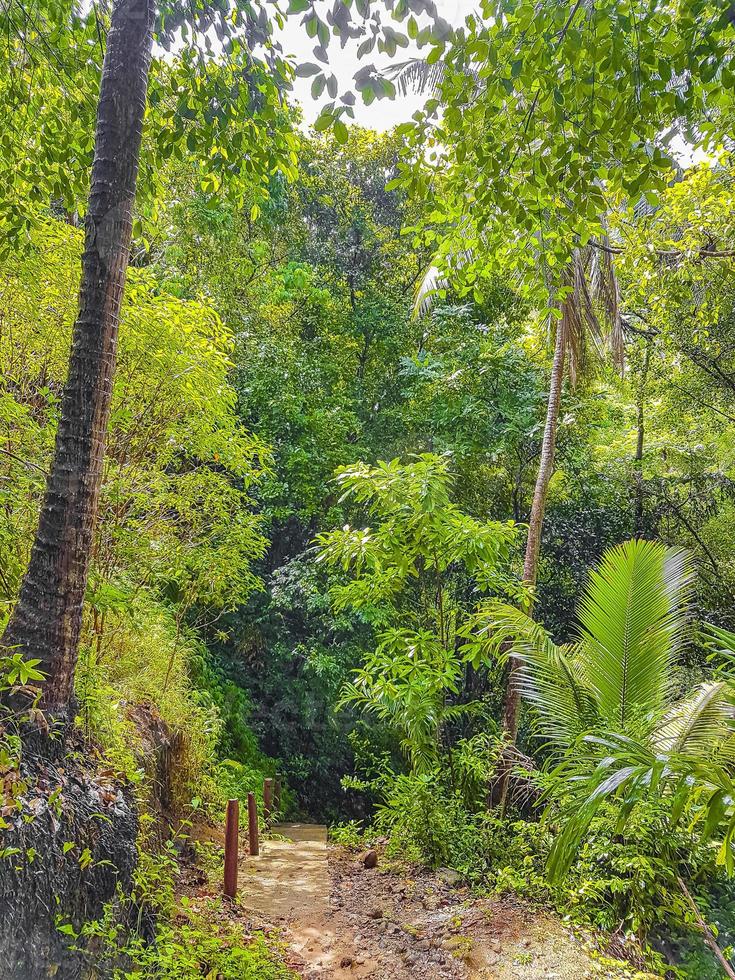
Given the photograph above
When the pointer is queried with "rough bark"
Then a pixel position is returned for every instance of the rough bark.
(46, 621)
(538, 508)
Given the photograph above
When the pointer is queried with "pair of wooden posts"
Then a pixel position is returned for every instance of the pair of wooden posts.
(271, 802)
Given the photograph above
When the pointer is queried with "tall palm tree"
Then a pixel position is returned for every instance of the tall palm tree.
(46, 621)
(607, 704)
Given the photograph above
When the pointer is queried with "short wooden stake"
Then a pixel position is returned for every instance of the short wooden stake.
(231, 847)
(267, 801)
(277, 795)
(253, 825)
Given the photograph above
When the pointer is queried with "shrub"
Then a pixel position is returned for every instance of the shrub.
(197, 946)
(349, 834)
(141, 670)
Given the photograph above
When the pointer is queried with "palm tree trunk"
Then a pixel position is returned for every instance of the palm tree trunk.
(546, 463)
(538, 508)
(638, 459)
(46, 621)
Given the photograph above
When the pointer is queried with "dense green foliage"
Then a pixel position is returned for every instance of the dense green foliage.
(327, 423)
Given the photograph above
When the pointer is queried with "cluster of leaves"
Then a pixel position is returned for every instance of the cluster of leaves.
(178, 536)
(318, 291)
(543, 120)
(550, 111)
(198, 946)
(633, 755)
(414, 576)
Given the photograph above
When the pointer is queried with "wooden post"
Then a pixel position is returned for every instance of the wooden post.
(231, 847)
(253, 825)
(267, 800)
(277, 794)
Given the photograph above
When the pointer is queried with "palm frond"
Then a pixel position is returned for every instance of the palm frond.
(551, 678)
(579, 320)
(496, 629)
(633, 616)
(591, 309)
(721, 645)
(432, 283)
(599, 768)
(416, 75)
(605, 292)
(702, 726)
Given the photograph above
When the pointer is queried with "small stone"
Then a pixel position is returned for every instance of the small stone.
(449, 876)
(370, 859)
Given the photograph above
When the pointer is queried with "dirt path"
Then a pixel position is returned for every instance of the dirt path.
(343, 921)
(289, 884)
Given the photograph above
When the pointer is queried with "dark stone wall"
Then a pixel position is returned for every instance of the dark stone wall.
(44, 884)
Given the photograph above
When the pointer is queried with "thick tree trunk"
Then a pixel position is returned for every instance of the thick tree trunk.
(46, 621)
(538, 508)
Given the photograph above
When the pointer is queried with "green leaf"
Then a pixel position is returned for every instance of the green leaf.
(323, 122)
(340, 132)
(307, 69)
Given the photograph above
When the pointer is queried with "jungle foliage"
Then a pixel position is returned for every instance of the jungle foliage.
(353, 370)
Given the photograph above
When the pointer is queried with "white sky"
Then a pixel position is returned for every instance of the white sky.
(383, 114)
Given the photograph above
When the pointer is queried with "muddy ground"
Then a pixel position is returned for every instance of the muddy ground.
(342, 920)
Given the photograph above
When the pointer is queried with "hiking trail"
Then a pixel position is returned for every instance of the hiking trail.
(342, 920)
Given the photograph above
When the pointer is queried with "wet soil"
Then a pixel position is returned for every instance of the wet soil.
(342, 920)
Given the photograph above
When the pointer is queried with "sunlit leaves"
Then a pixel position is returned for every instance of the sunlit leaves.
(606, 702)
(175, 511)
(417, 527)
(405, 571)
(550, 111)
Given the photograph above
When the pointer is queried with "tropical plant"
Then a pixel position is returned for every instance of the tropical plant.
(415, 576)
(405, 683)
(586, 309)
(608, 704)
(47, 618)
(539, 203)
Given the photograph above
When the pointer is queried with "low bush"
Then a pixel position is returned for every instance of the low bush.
(350, 834)
(198, 945)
